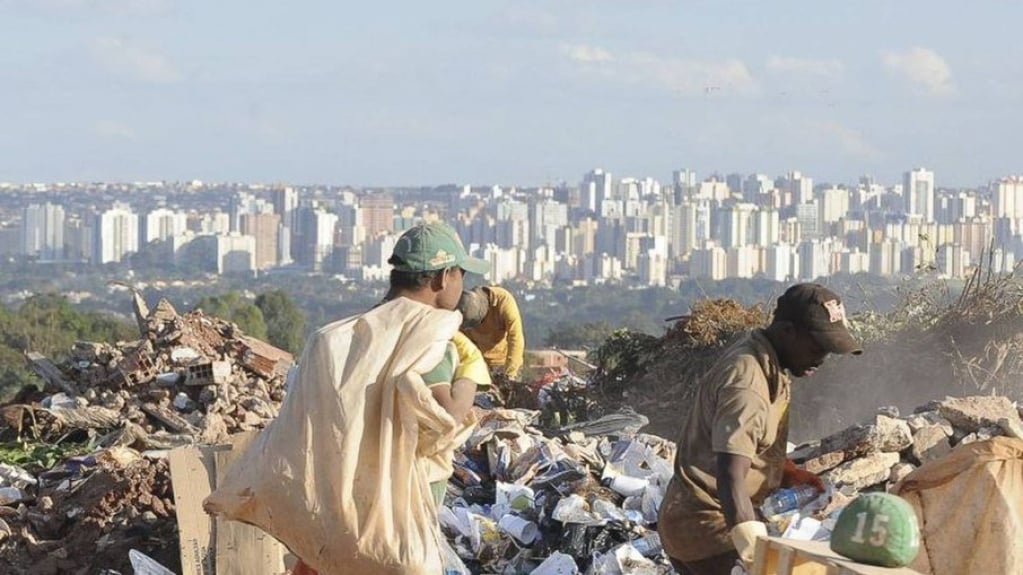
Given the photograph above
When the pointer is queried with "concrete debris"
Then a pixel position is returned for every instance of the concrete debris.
(190, 378)
(972, 413)
(876, 455)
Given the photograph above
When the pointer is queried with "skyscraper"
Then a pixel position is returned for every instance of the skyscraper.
(116, 235)
(918, 193)
(377, 213)
(264, 229)
(42, 231)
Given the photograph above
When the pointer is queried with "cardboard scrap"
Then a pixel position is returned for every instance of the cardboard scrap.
(217, 547)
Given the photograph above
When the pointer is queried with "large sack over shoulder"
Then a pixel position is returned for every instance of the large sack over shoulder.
(970, 507)
(340, 476)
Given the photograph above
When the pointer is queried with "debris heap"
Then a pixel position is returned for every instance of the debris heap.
(190, 378)
(583, 497)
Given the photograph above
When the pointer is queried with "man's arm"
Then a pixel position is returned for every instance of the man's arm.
(731, 478)
(456, 398)
(516, 339)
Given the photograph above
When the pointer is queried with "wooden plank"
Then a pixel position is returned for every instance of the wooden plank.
(812, 558)
(243, 549)
(760, 555)
(786, 559)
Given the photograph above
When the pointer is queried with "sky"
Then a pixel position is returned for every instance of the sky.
(517, 92)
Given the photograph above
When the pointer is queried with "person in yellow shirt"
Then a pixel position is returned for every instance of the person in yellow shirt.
(491, 319)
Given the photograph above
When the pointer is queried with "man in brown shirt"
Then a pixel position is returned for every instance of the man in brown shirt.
(731, 449)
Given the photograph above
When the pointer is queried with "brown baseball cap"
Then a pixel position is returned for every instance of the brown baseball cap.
(820, 311)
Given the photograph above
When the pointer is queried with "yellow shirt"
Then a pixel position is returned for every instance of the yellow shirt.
(500, 336)
(740, 408)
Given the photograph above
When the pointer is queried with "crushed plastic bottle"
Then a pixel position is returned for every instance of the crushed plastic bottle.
(786, 499)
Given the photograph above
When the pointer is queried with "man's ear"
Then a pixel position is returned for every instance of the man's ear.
(445, 277)
(440, 281)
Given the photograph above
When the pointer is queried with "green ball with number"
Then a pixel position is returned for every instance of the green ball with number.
(877, 529)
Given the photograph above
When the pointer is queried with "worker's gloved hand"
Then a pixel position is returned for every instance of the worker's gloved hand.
(744, 537)
(792, 476)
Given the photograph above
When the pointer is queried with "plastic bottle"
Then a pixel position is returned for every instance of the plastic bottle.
(787, 499)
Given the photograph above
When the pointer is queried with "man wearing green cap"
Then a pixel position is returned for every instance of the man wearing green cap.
(732, 445)
(429, 263)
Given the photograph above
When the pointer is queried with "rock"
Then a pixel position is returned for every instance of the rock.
(1011, 428)
(888, 410)
(930, 443)
(918, 421)
(887, 434)
(822, 463)
(863, 472)
(972, 413)
(982, 434)
(900, 471)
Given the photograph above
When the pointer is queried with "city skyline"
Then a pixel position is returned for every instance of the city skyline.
(528, 93)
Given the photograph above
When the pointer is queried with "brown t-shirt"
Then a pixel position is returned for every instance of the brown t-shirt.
(741, 408)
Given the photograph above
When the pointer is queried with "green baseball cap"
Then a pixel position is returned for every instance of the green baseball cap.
(429, 247)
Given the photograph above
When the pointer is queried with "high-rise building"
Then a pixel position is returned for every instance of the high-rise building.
(42, 231)
(808, 216)
(798, 188)
(377, 213)
(265, 230)
(597, 186)
(834, 205)
(1007, 198)
(318, 235)
(116, 234)
(161, 224)
(918, 193)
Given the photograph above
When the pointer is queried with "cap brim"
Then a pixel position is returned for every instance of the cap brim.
(838, 341)
(476, 266)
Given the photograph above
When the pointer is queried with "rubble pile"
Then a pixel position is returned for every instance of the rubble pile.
(189, 379)
(876, 455)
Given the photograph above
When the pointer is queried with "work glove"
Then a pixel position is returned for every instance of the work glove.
(792, 476)
(744, 537)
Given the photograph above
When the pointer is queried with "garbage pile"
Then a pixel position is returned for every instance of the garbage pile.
(90, 480)
(579, 499)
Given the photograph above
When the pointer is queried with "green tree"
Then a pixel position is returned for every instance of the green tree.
(588, 335)
(233, 308)
(285, 322)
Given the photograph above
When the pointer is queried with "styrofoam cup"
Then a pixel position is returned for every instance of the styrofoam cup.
(521, 529)
(628, 485)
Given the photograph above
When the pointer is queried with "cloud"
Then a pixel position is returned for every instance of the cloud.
(923, 68)
(805, 66)
(123, 59)
(848, 140)
(682, 75)
(584, 54)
